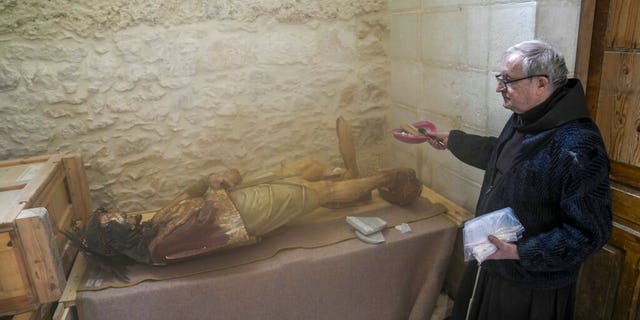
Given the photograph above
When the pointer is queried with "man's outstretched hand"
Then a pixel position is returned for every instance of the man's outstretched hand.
(438, 140)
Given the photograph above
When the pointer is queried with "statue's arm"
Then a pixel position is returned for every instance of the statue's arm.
(224, 180)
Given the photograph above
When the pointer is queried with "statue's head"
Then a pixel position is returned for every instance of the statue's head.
(106, 232)
(106, 238)
(404, 189)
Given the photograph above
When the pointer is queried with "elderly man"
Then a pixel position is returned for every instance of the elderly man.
(549, 165)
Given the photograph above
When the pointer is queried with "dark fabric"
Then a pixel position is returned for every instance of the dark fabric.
(557, 186)
(471, 149)
(537, 113)
(567, 104)
(498, 299)
(511, 149)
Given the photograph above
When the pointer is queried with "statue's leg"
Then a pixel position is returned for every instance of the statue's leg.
(347, 148)
(310, 170)
(398, 186)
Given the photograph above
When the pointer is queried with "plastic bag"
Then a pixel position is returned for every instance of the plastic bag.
(503, 224)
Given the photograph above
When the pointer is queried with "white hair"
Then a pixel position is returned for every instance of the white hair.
(541, 58)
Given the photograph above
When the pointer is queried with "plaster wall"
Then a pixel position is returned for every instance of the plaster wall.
(155, 93)
(444, 55)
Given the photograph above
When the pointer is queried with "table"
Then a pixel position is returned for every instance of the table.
(349, 279)
(399, 279)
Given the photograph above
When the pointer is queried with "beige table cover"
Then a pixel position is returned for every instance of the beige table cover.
(399, 279)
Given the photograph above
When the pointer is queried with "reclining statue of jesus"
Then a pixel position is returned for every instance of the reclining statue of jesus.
(220, 211)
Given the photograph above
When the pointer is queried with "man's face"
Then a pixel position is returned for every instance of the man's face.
(522, 95)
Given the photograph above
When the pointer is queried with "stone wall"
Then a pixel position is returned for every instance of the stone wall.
(444, 55)
(154, 93)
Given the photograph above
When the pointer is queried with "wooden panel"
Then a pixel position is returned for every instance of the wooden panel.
(42, 312)
(10, 284)
(626, 205)
(78, 187)
(24, 316)
(587, 19)
(596, 51)
(624, 24)
(618, 114)
(613, 100)
(19, 295)
(63, 313)
(50, 196)
(41, 254)
(599, 279)
(628, 241)
(57, 200)
(39, 180)
(70, 293)
(455, 212)
(20, 173)
(626, 174)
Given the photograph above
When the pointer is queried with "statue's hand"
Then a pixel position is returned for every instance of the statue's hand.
(225, 180)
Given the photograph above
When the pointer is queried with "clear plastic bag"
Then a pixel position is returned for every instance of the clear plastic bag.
(503, 224)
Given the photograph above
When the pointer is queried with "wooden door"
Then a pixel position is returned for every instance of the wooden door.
(608, 61)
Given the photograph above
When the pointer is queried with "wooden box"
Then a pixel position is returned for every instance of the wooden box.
(38, 197)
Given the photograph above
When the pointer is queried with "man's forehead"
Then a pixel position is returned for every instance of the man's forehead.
(513, 63)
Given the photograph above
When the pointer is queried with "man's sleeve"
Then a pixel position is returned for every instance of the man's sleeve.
(471, 149)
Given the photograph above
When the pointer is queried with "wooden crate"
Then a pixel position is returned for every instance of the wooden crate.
(38, 197)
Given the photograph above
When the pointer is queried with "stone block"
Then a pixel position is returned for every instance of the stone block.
(510, 23)
(457, 35)
(396, 5)
(455, 92)
(401, 114)
(548, 14)
(404, 35)
(444, 35)
(478, 35)
(406, 82)
(441, 3)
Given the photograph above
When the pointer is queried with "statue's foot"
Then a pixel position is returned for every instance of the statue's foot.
(404, 187)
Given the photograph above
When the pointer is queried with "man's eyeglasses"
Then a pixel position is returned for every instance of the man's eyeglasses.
(505, 81)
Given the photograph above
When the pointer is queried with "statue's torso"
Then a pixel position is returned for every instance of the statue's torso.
(197, 226)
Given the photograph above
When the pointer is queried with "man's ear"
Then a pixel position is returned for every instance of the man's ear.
(543, 82)
(543, 86)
